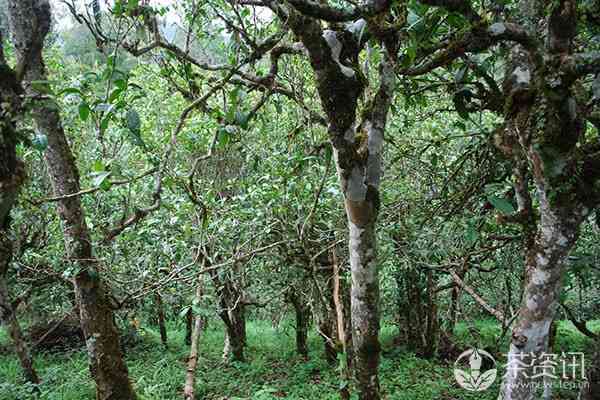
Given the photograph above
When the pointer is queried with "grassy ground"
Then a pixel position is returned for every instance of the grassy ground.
(273, 369)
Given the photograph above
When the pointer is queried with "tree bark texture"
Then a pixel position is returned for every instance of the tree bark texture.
(190, 374)
(12, 176)
(30, 22)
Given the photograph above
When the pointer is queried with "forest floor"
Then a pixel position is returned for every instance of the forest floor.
(273, 369)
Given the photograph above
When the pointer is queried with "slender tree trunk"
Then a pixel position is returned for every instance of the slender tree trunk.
(9, 319)
(233, 314)
(431, 331)
(341, 328)
(324, 310)
(30, 22)
(357, 149)
(302, 313)
(12, 176)
(160, 311)
(189, 325)
(190, 375)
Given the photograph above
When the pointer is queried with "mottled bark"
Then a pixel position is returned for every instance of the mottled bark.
(30, 22)
(12, 175)
(160, 313)
(545, 265)
(357, 149)
(190, 375)
(545, 119)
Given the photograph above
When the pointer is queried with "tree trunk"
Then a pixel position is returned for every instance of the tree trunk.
(431, 330)
(160, 311)
(324, 309)
(8, 318)
(190, 375)
(235, 334)
(30, 22)
(12, 176)
(232, 312)
(302, 313)
(357, 149)
(189, 325)
(545, 264)
(341, 328)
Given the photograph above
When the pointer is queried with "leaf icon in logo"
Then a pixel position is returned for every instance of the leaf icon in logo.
(486, 379)
(464, 379)
(473, 380)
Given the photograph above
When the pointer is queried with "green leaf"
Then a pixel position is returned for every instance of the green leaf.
(84, 111)
(241, 119)
(98, 166)
(328, 154)
(114, 95)
(223, 137)
(104, 123)
(102, 107)
(133, 120)
(132, 4)
(501, 204)
(121, 84)
(184, 311)
(71, 90)
(101, 180)
(42, 87)
(460, 74)
(40, 142)
(471, 233)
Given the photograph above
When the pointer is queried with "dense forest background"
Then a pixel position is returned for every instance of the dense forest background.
(297, 199)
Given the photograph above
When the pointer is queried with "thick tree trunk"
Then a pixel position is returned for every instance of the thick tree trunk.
(160, 313)
(545, 264)
(12, 175)
(30, 22)
(190, 375)
(235, 334)
(365, 303)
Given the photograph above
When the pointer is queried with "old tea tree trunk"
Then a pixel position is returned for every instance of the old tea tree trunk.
(357, 148)
(12, 175)
(30, 21)
(565, 170)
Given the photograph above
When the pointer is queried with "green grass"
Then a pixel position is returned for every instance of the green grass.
(273, 369)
